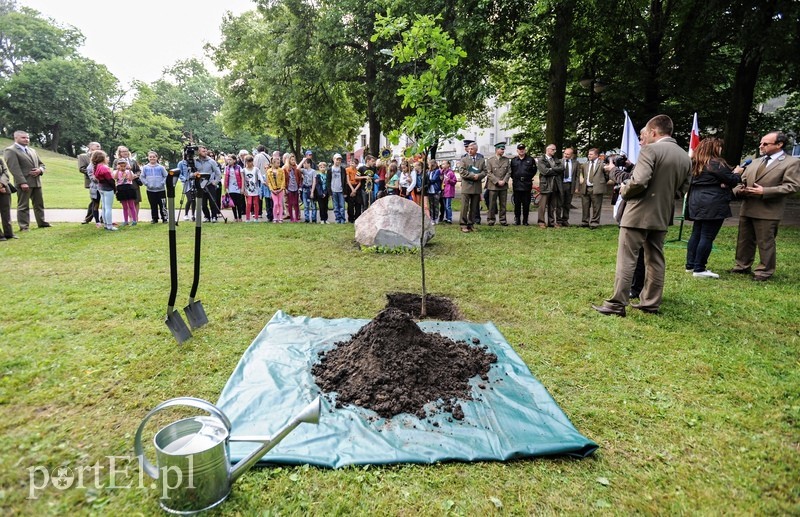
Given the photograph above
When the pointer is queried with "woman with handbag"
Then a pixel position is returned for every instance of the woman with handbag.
(708, 203)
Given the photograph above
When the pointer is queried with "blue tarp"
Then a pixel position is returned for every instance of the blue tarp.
(513, 417)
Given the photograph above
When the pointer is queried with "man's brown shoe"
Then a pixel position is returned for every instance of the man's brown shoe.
(608, 311)
(648, 310)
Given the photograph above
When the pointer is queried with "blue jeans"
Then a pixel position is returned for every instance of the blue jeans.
(699, 247)
(338, 206)
(309, 206)
(107, 196)
(448, 209)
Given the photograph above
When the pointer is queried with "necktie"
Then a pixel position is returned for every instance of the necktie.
(569, 171)
(762, 167)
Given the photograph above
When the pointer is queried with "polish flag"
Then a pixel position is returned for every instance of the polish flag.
(694, 140)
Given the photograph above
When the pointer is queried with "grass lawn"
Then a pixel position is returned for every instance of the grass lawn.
(695, 410)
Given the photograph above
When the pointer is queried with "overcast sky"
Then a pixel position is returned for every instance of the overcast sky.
(157, 34)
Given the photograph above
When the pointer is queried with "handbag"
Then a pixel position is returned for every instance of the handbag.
(227, 201)
(319, 192)
(12, 188)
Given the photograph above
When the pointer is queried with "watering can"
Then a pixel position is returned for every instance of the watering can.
(193, 456)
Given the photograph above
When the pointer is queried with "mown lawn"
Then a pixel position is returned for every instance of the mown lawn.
(695, 410)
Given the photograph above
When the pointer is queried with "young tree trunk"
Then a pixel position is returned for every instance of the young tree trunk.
(423, 311)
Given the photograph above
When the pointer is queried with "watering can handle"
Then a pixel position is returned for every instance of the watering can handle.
(148, 467)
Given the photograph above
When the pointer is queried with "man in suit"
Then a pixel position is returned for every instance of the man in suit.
(571, 172)
(661, 175)
(83, 163)
(472, 169)
(592, 188)
(5, 204)
(764, 190)
(551, 170)
(498, 171)
(27, 169)
(523, 169)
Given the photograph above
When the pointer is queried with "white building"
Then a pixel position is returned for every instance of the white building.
(486, 137)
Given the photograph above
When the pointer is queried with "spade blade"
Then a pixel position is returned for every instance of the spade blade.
(178, 328)
(195, 314)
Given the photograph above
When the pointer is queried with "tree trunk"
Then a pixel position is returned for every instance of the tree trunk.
(56, 132)
(744, 85)
(372, 116)
(557, 75)
(655, 36)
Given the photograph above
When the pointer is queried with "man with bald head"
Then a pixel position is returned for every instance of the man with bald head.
(472, 169)
(661, 175)
(27, 169)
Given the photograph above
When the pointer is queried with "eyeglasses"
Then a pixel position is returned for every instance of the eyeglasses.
(767, 143)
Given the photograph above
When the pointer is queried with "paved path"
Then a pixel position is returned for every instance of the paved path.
(70, 215)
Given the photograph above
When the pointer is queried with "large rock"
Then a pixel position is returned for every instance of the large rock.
(393, 221)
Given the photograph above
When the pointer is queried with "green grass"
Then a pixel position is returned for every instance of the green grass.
(695, 410)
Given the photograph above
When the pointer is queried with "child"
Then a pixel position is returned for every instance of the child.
(448, 191)
(294, 182)
(106, 185)
(320, 191)
(417, 173)
(393, 185)
(154, 177)
(433, 189)
(233, 184)
(276, 180)
(309, 174)
(253, 178)
(126, 192)
(407, 180)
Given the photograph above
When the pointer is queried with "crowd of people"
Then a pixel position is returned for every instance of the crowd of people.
(261, 187)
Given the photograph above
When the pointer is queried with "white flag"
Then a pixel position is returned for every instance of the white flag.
(630, 140)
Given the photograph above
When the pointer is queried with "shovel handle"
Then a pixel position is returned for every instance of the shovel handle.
(150, 469)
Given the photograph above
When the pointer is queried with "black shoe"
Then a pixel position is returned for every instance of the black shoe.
(2, 239)
(633, 294)
(45, 225)
(648, 310)
(760, 278)
(9, 237)
(503, 224)
(608, 311)
(740, 271)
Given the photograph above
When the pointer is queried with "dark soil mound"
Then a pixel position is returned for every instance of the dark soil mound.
(391, 366)
(436, 307)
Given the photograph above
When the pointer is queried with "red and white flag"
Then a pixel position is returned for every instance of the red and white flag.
(694, 140)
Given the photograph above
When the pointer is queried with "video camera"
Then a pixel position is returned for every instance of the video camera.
(188, 157)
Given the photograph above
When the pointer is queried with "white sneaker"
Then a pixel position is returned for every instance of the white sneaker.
(690, 270)
(186, 218)
(706, 274)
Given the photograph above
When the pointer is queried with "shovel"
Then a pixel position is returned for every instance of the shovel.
(195, 313)
(174, 321)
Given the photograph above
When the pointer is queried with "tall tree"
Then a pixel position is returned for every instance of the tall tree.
(27, 37)
(275, 81)
(59, 101)
(146, 130)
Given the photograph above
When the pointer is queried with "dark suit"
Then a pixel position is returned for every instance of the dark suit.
(551, 171)
(661, 175)
(759, 215)
(592, 172)
(21, 163)
(522, 172)
(5, 202)
(571, 173)
(471, 187)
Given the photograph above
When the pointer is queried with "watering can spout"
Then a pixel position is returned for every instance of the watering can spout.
(309, 415)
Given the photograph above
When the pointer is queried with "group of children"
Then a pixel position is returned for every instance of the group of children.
(278, 188)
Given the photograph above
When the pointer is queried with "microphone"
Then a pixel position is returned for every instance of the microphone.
(746, 163)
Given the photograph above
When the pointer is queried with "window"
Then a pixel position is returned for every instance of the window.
(363, 140)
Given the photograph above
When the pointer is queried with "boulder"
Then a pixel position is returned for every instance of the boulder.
(393, 221)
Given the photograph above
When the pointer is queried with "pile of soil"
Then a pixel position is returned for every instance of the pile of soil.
(391, 366)
(436, 307)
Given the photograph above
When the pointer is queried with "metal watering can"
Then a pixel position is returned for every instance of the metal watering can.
(193, 455)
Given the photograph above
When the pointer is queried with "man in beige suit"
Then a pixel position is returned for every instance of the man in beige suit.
(592, 188)
(661, 175)
(765, 186)
(27, 169)
(498, 171)
(472, 169)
